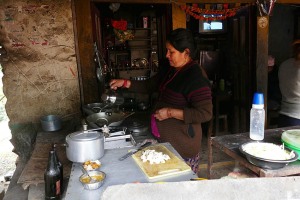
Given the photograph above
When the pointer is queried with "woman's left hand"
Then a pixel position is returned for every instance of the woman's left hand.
(162, 114)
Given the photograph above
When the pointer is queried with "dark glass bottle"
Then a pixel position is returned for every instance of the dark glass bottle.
(52, 178)
(60, 166)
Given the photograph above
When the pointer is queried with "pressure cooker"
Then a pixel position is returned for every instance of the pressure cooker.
(84, 145)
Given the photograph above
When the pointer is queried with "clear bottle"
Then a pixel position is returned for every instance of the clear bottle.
(52, 178)
(257, 117)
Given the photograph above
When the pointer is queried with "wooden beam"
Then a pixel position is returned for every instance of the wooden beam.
(192, 1)
(262, 55)
(85, 51)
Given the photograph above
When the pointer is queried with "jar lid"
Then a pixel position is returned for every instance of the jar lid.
(292, 137)
(85, 135)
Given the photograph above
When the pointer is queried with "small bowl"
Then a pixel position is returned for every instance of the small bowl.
(85, 180)
(91, 165)
(267, 163)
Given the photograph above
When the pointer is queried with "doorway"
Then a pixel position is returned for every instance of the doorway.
(7, 157)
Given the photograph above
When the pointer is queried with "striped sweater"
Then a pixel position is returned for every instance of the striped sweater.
(186, 89)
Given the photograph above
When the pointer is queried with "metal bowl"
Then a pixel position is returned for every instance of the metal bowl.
(92, 185)
(266, 163)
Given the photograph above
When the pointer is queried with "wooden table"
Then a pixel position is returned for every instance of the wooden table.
(229, 144)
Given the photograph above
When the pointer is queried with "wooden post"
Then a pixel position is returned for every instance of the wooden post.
(262, 56)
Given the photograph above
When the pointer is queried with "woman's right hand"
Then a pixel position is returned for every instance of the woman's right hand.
(117, 83)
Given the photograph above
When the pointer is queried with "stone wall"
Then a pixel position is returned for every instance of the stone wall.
(40, 70)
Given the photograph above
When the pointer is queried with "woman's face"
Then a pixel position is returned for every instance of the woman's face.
(175, 57)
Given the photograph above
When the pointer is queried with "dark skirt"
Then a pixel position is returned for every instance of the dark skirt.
(285, 121)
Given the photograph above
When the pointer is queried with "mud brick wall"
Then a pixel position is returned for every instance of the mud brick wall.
(40, 70)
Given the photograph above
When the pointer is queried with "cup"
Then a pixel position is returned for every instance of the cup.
(258, 98)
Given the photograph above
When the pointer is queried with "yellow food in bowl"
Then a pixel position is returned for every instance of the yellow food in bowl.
(87, 179)
(91, 165)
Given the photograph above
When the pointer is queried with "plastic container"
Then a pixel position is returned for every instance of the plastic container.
(51, 123)
(291, 147)
(291, 139)
(257, 117)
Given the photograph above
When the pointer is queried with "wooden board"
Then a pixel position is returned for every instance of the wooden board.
(33, 173)
(172, 167)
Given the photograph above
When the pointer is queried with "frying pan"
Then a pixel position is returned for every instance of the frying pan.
(106, 118)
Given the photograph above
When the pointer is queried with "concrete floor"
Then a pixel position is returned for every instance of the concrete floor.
(223, 165)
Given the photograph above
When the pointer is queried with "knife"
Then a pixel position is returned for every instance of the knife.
(133, 152)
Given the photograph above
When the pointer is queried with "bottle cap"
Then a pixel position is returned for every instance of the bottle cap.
(258, 98)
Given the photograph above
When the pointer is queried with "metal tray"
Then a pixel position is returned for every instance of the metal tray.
(267, 163)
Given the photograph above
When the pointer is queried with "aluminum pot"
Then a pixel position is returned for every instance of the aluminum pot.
(51, 123)
(84, 145)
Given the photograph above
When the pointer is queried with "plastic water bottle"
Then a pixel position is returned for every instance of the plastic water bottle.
(257, 117)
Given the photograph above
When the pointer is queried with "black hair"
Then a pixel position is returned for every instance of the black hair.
(182, 39)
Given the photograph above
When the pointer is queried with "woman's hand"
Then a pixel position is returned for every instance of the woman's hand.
(162, 114)
(117, 83)
(167, 113)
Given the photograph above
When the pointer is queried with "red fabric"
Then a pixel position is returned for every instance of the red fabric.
(121, 25)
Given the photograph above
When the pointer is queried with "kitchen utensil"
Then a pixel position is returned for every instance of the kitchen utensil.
(266, 163)
(106, 118)
(92, 180)
(172, 167)
(136, 127)
(100, 177)
(84, 145)
(95, 108)
(133, 152)
(51, 123)
(112, 97)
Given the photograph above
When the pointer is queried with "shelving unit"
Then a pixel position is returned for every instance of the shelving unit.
(135, 57)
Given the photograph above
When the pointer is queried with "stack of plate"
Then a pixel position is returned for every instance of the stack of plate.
(291, 139)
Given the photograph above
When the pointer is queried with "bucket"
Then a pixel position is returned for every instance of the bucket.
(51, 123)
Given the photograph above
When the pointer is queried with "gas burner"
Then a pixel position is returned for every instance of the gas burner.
(136, 127)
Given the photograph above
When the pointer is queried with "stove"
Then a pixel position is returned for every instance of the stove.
(136, 127)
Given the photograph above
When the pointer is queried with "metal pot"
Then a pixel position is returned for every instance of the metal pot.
(51, 123)
(106, 118)
(84, 145)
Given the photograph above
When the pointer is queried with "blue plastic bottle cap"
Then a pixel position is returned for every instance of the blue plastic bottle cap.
(258, 98)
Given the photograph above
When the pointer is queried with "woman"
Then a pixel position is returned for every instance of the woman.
(184, 97)
(289, 83)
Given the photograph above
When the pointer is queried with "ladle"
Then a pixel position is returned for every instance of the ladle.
(92, 180)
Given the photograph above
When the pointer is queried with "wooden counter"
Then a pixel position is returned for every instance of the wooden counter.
(229, 144)
(34, 169)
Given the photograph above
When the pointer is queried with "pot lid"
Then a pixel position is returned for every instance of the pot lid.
(85, 135)
(292, 137)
